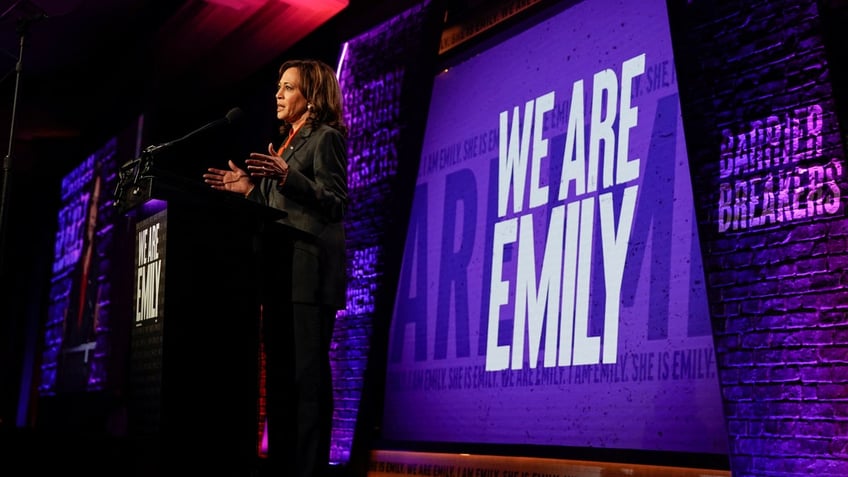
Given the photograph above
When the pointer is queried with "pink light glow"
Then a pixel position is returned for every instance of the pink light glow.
(317, 5)
(210, 38)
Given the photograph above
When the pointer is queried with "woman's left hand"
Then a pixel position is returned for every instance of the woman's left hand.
(233, 179)
(267, 165)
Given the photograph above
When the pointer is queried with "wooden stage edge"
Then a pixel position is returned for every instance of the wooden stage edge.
(385, 463)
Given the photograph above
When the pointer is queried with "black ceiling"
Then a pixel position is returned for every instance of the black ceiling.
(86, 63)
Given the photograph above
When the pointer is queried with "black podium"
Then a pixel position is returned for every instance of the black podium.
(194, 365)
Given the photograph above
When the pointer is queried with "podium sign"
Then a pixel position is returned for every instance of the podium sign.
(194, 343)
(148, 320)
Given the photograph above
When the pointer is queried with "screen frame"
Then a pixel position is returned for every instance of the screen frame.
(456, 55)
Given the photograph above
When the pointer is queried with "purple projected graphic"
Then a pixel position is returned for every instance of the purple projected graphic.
(551, 291)
(78, 324)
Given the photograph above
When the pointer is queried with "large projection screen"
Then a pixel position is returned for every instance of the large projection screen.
(551, 290)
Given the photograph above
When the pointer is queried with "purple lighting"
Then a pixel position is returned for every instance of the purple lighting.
(372, 103)
(76, 333)
(153, 206)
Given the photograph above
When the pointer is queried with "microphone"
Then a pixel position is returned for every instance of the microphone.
(35, 18)
(232, 116)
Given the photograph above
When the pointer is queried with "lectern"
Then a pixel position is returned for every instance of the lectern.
(194, 367)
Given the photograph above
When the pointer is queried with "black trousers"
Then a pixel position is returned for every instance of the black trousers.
(299, 399)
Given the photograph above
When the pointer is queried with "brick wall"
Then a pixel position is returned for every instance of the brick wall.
(385, 78)
(767, 162)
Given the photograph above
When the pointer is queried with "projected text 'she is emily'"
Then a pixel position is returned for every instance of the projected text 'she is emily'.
(558, 297)
(148, 274)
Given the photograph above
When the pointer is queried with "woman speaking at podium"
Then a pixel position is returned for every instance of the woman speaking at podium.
(306, 176)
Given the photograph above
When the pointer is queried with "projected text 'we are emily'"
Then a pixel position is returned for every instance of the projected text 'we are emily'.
(551, 279)
(564, 285)
(148, 273)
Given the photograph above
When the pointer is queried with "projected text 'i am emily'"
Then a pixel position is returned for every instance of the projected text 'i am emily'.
(148, 274)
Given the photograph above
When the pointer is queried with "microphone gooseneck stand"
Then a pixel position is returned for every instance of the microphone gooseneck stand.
(132, 172)
(23, 26)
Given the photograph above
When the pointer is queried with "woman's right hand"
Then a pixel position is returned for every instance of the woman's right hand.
(233, 180)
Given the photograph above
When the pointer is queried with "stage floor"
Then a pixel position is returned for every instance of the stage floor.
(23, 452)
(386, 463)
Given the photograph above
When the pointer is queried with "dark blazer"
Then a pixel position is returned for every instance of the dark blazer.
(314, 196)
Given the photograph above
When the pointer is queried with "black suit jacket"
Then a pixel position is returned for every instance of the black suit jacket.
(314, 197)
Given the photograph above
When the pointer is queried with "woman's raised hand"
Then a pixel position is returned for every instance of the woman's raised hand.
(233, 180)
(267, 165)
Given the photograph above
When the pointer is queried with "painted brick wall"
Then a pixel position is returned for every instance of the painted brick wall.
(381, 79)
(768, 175)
